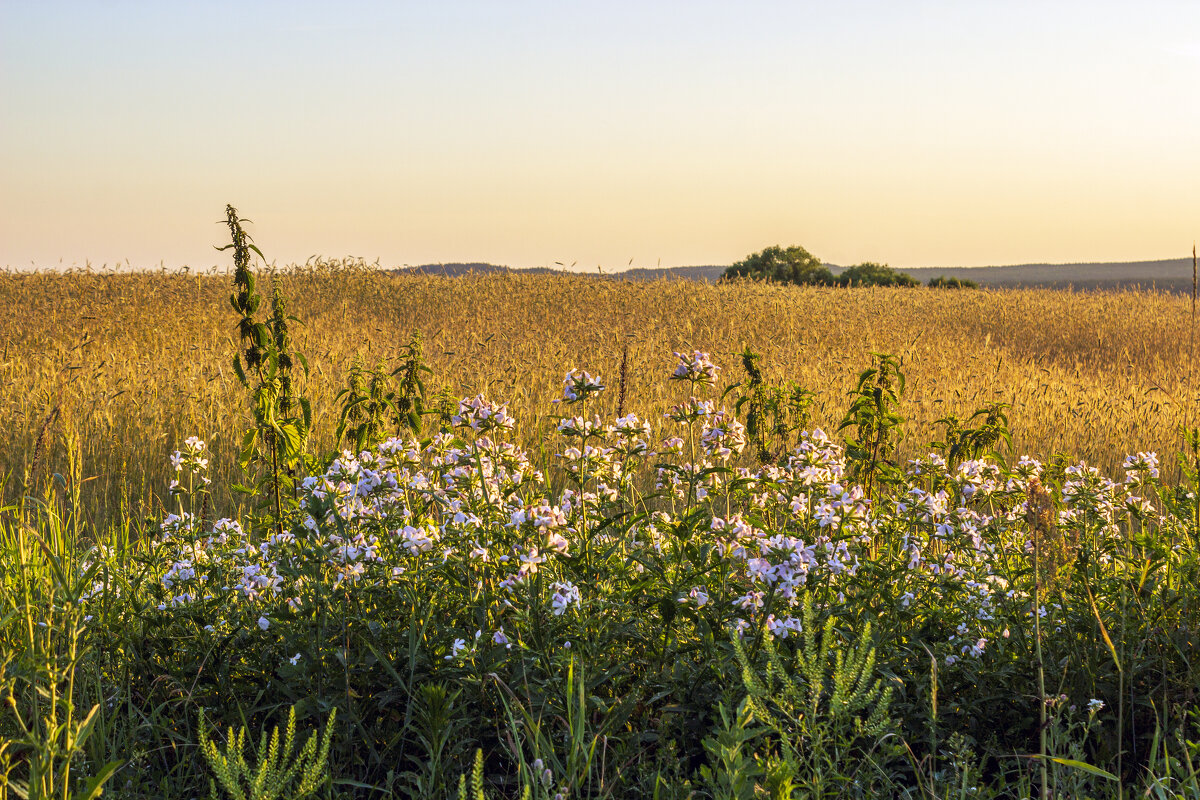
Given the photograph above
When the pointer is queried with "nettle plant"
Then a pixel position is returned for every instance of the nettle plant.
(273, 447)
(775, 414)
(377, 402)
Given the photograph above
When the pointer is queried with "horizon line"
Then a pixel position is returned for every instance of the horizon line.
(553, 267)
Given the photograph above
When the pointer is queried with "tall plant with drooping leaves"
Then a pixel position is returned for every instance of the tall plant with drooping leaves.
(774, 414)
(265, 366)
(981, 434)
(410, 393)
(376, 402)
(875, 423)
(291, 401)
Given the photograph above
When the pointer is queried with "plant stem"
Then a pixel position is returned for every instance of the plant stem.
(1037, 637)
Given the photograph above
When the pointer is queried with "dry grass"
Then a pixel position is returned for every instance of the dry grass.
(136, 362)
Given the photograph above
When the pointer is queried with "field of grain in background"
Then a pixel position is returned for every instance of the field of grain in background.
(102, 374)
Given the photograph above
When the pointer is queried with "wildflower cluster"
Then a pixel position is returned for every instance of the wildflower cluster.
(461, 537)
(190, 464)
(476, 515)
(695, 369)
(579, 386)
(482, 416)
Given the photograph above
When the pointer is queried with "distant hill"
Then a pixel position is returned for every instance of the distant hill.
(456, 269)
(711, 274)
(1173, 275)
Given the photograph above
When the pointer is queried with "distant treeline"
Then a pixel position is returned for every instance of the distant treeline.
(1171, 275)
(797, 265)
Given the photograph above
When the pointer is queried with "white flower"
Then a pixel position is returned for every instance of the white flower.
(481, 415)
(750, 600)
(456, 648)
(783, 627)
(529, 562)
(696, 368)
(294, 659)
(565, 594)
(578, 385)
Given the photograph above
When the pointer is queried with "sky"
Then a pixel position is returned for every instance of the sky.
(599, 134)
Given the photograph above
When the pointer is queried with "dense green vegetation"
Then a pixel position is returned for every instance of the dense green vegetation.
(798, 266)
(726, 602)
(624, 618)
(872, 274)
(793, 265)
(942, 282)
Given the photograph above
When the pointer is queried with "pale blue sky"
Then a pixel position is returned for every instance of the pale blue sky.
(925, 133)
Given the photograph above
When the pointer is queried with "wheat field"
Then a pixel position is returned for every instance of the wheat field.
(102, 374)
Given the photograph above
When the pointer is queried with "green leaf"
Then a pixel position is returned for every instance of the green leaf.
(292, 440)
(85, 728)
(249, 438)
(237, 369)
(95, 785)
(306, 409)
(1079, 765)
(668, 607)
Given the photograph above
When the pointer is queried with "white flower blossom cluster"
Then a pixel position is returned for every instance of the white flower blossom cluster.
(481, 415)
(695, 368)
(579, 386)
(465, 520)
(192, 458)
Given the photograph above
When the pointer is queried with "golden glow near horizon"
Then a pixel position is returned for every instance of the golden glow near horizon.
(927, 134)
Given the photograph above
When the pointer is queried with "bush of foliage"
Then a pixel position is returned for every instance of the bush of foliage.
(943, 282)
(797, 265)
